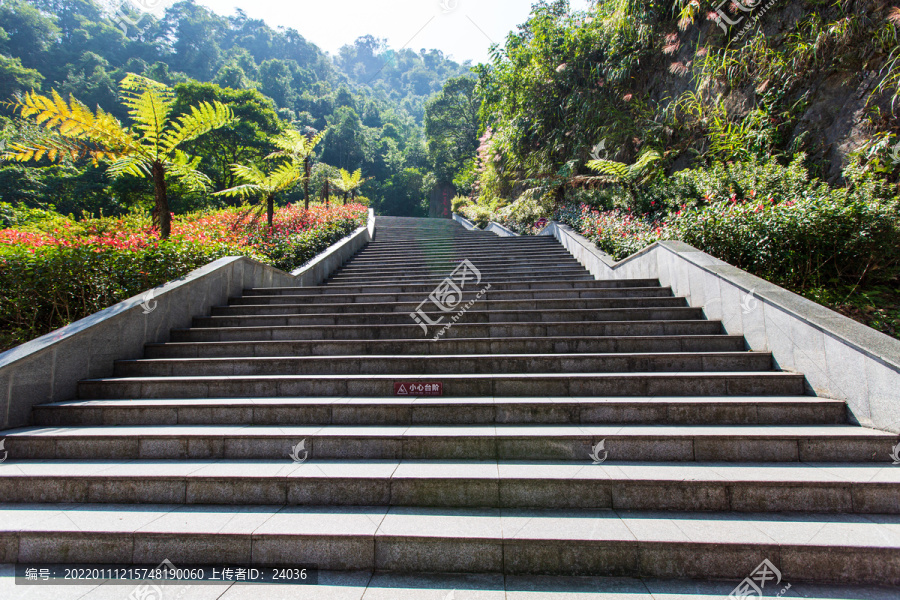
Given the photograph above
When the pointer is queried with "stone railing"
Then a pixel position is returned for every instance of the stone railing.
(48, 368)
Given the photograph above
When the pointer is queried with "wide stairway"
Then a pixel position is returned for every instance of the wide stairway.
(459, 415)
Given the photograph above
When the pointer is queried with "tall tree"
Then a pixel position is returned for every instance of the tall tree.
(149, 148)
(245, 141)
(451, 127)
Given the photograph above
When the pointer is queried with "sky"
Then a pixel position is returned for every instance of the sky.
(463, 29)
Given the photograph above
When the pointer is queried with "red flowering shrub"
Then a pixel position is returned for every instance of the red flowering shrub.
(55, 272)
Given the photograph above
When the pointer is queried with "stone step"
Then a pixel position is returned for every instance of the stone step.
(428, 288)
(454, 258)
(482, 364)
(513, 385)
(690, 410)
(453, 540)
(474, 315)
(370, 257)
(286, 308)
(490, 296)
(459, 331)
(488, 275)
(856, 488)
(471, 250)
(446, 268)
(571, 274)
(560, 345)
(627, 443)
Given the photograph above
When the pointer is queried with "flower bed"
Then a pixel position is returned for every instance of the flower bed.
(56, 271)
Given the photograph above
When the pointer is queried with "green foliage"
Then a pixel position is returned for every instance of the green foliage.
(770, 220)
(451, 128)
(150, 148)
(271, 77)
(63, 284)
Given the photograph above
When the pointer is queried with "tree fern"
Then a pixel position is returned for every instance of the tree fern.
(257, 184)
(147, 149)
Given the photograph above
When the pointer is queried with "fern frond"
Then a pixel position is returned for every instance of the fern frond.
(130, 165)
(149, 104)
(251, 174)
(610, 168)
(75, 120)
(294, 145)
(184, 168)
(246, 190)
(647, 159)
(201, 119)
(284, 177)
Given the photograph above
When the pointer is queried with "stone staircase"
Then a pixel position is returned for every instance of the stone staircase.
(586, 428)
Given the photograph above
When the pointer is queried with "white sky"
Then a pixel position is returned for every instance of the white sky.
(463, 29)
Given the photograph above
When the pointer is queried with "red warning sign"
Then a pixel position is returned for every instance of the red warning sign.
(418, 388)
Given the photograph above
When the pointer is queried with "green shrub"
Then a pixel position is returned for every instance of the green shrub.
(51, 286)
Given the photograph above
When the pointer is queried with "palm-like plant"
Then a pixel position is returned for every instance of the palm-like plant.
(263, 185)
(349, 183)
(615, 172)
(629, 176)
(149, 148)
(297, 148)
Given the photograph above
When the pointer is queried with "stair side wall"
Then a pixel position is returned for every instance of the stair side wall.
(841, 359)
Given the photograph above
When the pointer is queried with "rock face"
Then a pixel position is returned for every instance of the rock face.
(819, 87)
(456, 402)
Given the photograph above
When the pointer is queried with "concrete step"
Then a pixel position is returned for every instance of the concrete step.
(366, 585)
(518, 274)
(420, 347)
(285, 308)
(501, 306)
(430, 254)
(446, 268)
(474, 315)
(626, 443)
(428, 288)
(482, 364)
(368, 258)
(458, 331)
(855, 488)
(489, 296)
(453, 540)
(512, 385)
(559, 274)
(689, 410)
